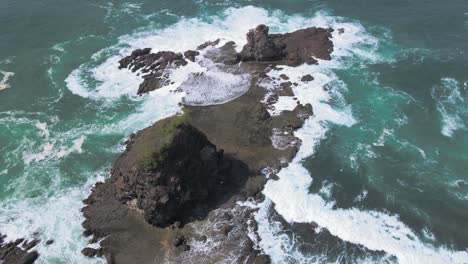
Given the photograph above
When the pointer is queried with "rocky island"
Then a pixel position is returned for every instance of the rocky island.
(180, 183)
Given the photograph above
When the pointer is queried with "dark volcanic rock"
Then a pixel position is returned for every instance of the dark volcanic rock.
(89, 252)
(286, 91)
(172, 181)
(181, 242)
(284, 77)
(155, 65)
(17, 252)
(303, 44)
(207, 44)
(307, 78)
(29, 245)
(191, 54)
(293, 48)
(286, 84)
(261, 46)
(181, 175)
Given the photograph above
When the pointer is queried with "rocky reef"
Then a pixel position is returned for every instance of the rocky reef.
(19, 251)
(154, 66)
(293, 49)
(176, 193)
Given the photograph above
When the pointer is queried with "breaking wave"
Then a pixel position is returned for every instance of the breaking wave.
(4, 80)
(451, 105)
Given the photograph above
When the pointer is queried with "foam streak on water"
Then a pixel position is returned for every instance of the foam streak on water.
(451, 105)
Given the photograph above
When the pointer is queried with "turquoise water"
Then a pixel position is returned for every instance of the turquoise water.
(65, 110)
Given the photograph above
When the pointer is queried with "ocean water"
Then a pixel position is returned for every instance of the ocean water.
(384, 161)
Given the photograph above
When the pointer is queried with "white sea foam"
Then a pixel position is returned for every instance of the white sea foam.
(451, 105)
(214, 87)
(290, 194)
(49, 148)
(231, 26)
(4, 81)
(55, 214)
(284, 103)
(56, 217)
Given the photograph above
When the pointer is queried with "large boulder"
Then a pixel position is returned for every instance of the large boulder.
(175, 176)
(261, 46)
(301, 46)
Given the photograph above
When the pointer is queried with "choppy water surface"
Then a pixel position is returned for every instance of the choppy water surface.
(383, 165)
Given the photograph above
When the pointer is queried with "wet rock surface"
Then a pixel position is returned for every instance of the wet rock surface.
(91, 252)
(178, 178)
(307, 78)
(293, 48)
(19, 251)
(173, 195)
(154, 66)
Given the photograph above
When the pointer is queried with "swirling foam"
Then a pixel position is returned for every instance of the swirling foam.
(451, 105)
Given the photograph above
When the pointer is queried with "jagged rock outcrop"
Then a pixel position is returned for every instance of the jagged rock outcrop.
(261, 46)
(301, 46)
(18, 252)
(155, 66)
(179, 176)
(295, 48)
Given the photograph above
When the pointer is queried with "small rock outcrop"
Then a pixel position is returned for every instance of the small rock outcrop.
(18, 252)
(307, 78)
(154, 66)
